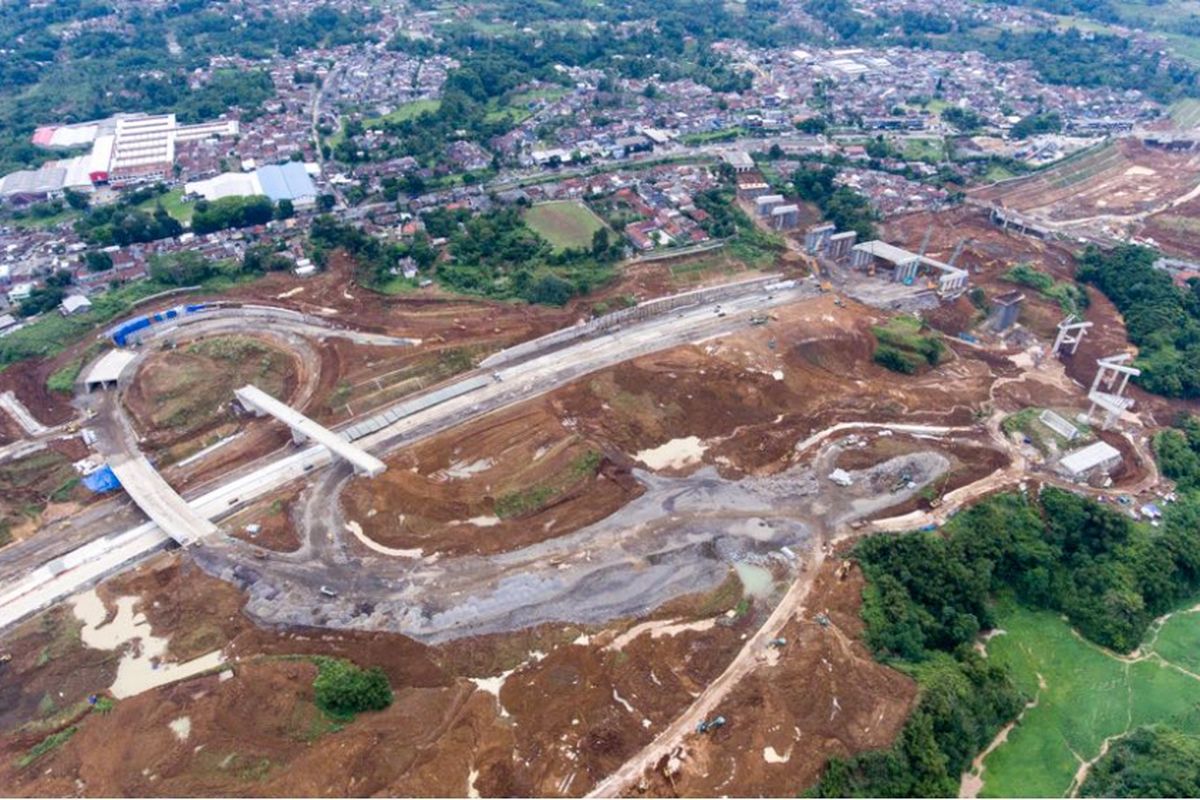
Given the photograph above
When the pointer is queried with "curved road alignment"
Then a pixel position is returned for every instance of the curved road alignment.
(104, 556)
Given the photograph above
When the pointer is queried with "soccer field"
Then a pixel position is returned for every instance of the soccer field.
(564, 223)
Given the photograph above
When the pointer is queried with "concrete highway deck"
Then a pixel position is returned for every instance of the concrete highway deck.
(257, 400)
(160, 502)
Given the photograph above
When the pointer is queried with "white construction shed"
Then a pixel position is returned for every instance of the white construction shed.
(1090, 461)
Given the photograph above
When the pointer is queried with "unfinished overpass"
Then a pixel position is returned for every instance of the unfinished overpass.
(159, 501)
(254, 399)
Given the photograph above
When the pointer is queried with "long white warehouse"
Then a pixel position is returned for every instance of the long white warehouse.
(255, 399)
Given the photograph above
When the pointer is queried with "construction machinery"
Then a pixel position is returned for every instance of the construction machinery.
(903, 481)
(778, 641)
(706, 726)
(823, 620)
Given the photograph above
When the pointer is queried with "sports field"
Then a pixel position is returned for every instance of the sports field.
(406, 111)
(1085, 695)
(172, 202)
(564, 223)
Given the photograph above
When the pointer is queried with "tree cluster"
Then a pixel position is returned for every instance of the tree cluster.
(124, 224)
(929, 595)
(46, 298)
(1032, 125)
(232, 212)
(497, 255)
(1152, 761)
(344, 689)
(1178, 453)
(841, 205)
(1160, 318)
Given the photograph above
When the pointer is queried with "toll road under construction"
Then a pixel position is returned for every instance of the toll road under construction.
(551, 363)
(254, 399)
(650, 308)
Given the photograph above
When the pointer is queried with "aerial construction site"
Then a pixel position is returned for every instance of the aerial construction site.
(602, 554)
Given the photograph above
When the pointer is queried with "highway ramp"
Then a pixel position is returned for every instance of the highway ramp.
(160, 502)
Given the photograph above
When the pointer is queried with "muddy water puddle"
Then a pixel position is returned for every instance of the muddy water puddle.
(142, 666)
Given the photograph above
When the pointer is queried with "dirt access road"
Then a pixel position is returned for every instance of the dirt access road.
(748, 659)
(746, 662)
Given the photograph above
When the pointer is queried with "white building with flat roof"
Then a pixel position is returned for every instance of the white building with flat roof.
(1091, 461)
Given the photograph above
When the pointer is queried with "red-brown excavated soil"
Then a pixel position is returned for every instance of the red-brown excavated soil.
(573, 705)
(1175, 232)
(559, 462)
(987, 253)
(27, 381)
(821, 695)
(268, 522)
(463, 492)
(1125, 177)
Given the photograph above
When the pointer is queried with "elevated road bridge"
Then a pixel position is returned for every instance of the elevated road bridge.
(160, 502)
(254, 399)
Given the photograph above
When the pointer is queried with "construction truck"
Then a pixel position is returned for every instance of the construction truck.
(760, 320)
(705, 726)
(778, 641)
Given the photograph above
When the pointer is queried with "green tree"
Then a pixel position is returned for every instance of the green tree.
(184, 268)
(344, 689)
(76, 200)
(1156, 761)
(97, 261)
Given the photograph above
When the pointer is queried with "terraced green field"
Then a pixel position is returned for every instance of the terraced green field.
(1186, 113)
(1086, 695)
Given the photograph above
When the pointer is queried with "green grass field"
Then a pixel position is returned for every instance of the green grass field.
(172, 201)
(996, 172)
(1178, 640)
(1186, 113)
(1085, 695)
(407, 111)
(32, 222)
(564, 223)
(930, 150)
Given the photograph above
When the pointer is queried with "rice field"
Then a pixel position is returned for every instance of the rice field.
(1186, 113)
(1085, 695)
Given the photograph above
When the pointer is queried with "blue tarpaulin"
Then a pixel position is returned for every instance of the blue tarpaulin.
(102, 480)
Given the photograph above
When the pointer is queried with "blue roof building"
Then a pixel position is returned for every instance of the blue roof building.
(289, 181)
